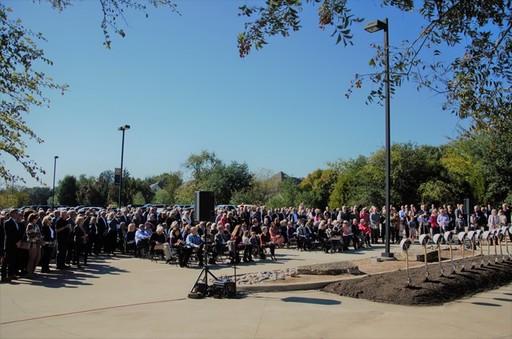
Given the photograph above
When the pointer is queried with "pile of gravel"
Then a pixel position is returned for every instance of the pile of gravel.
(256, 278)
(336, 268)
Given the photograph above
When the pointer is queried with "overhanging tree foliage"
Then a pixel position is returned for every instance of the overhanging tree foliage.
(475, 85)
(23, 86)
(113, 13)
(21, 89)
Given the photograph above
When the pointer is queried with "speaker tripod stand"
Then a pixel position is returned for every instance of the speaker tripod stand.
(200, 290)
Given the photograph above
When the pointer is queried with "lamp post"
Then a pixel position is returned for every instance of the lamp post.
(54, 171)
(123, 129)
(375, 26)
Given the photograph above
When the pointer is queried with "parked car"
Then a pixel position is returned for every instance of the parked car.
(184, 206)
(34, 207)
(86, 208)
(159, 207)
(154, 205)
(226, 207)
(249, 206)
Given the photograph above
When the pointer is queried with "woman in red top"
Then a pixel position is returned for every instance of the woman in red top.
(366, 231)
(364, 214)
(223, 219)
(434, 226)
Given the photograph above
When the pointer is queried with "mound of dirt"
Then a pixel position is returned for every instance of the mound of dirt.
(393, 287)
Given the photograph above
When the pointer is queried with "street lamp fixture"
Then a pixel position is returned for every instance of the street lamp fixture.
(372, 27)
(376, 25)
(123, 129)
(54, 171)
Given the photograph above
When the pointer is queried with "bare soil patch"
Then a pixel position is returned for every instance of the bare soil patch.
(393, 286)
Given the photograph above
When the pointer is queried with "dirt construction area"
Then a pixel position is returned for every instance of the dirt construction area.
(428, 286)
(414, 282)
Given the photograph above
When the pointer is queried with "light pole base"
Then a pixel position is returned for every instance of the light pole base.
(389, 255)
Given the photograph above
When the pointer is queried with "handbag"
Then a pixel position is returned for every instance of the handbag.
(25, 245)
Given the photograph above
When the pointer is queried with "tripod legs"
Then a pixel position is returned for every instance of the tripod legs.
(203, 276)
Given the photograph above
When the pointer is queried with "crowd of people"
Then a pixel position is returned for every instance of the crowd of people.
(32, 238)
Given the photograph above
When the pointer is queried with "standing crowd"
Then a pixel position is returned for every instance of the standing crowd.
(68, 238)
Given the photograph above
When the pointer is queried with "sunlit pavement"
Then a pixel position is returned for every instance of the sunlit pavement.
(119, 297)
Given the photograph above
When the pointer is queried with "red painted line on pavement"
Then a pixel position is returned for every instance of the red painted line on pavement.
(88, 311)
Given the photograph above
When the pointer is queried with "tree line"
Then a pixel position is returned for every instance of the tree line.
(476, 167)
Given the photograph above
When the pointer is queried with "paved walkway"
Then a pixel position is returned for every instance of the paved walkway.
(133, 298)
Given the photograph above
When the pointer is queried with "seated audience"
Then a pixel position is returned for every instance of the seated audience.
(246, 242)
(365, 230)
(142, 241)
(221, 239)
(266, 242)
(176, 241)
(324, 237)
(129, 239)
(336, 238)
(158, 241)
(193, 243)
(304, 236)
(275, 234)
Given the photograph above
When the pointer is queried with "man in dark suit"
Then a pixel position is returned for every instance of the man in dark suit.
(126, 217)
(4, 278)
(63, 229)
(13, 234)
(110, 240)
(102, 232)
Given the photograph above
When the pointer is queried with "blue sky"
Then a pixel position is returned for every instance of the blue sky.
(181, 85)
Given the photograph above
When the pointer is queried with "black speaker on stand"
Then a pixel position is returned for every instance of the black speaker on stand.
(204, 209)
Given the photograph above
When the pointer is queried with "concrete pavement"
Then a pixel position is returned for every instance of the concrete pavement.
(119, 297)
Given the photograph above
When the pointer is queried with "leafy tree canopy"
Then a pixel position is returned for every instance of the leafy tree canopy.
(202, 164)
(68, 188)
(225, 180)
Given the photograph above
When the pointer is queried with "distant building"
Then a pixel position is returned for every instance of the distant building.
(156, 186)
(279, 177)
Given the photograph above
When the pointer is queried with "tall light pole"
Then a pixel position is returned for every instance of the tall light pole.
(375, 26)
(123, 129)
(54, 171)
